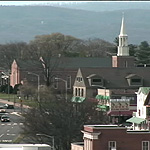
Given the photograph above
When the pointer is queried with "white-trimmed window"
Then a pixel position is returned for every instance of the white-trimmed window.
(112, 145)
(145, 145)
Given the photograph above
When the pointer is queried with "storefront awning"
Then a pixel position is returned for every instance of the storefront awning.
(135, 120)
(103, 107)
(78, 99)
(120, 113)
(102, 97)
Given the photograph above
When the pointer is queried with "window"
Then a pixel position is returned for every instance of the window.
(55, 83)
(126, 64)
(96, 80)
(136, 80)
(76, 91)
(145, 145)
(82, 92)
(68, 82)
(112, 145)
(79, 79)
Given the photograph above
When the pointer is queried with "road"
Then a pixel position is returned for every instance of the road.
(9, 131)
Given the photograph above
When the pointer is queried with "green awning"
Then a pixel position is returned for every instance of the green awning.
(77, 99)
(103, 107)
(102, 97)
(135, 120)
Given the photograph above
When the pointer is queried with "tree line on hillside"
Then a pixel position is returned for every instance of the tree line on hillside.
(53, 45)
(57, 44)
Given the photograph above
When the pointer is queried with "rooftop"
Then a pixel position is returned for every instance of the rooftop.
(23, 146)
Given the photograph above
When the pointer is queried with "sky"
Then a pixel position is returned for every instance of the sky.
(28, 2)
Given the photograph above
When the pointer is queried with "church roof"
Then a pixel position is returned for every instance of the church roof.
(69, 63)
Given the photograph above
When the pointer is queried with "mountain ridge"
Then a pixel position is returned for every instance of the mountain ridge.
(23, 23)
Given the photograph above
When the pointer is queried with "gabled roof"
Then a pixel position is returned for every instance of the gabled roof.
(116, 77)
(28, 64)
(77, 62)
(147, 101)
(69, 62)
(145, 90)
(131, 75)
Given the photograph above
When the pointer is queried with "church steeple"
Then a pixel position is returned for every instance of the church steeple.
(123, 59)
(122, 31)
(123, 49)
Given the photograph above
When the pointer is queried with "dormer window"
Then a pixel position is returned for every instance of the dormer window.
(95, 80)
(134, 80)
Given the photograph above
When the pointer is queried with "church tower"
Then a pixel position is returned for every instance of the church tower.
(123, 58)
(123, 48)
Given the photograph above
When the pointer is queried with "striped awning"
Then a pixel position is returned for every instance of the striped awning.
(77, 99)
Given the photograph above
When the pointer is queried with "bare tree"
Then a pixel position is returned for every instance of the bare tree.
(48, 50)
(61, 119)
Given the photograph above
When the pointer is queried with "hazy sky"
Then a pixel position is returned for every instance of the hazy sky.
(28, 2)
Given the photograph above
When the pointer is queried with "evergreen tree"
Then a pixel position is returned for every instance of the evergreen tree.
(143, 53)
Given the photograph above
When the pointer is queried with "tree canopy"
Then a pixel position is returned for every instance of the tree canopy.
(143, 53)
(61, 119)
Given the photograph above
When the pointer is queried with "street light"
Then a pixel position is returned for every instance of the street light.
(65, 84)
(7, 76)
(49, 136)
(38, 84)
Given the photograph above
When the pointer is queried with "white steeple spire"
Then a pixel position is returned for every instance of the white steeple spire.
(123, 49)
(122, 31)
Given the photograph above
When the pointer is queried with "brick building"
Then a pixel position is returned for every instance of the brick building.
(113, 137)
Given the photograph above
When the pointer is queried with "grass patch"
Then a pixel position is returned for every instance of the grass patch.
(15, 99)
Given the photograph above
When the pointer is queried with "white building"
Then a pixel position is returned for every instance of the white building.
(140, 118)
(25, 147)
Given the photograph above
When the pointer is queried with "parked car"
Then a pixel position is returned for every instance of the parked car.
(9, 106)
(2, 111)
(2, 107)
(2, 114)
(5, 118)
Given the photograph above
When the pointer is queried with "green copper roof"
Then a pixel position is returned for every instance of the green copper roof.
(145, 90)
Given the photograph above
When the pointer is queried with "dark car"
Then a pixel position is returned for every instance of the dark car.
(5, 118)
(8, 106)
(2, 114)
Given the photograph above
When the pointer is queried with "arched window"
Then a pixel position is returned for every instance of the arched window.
(82, 92)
